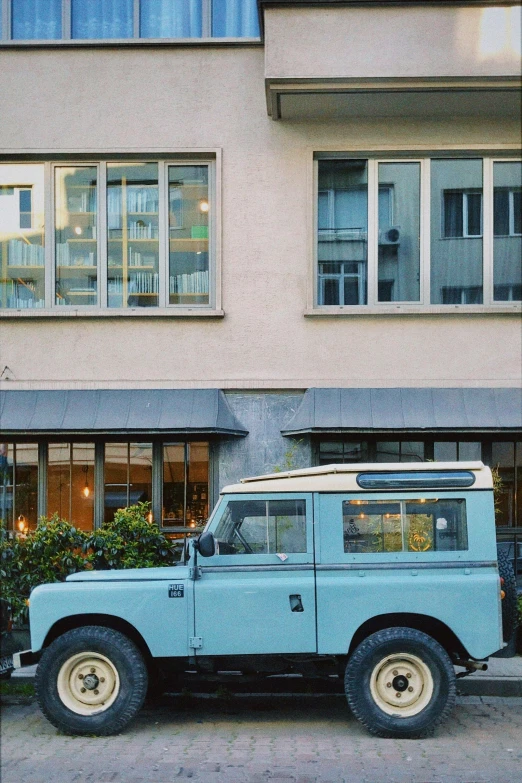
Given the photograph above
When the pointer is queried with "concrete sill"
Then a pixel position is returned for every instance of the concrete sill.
(131, 312)
(402, 309)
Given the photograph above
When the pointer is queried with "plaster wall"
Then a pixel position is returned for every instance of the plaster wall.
(115, 100)
(425, 41)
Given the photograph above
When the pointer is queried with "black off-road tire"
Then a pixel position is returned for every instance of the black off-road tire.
(394, 661)
(112, 668)
(509, 602)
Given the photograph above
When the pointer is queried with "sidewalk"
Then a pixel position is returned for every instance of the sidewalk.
(502, 678)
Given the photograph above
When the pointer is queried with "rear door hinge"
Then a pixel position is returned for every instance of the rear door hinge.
(196, 642)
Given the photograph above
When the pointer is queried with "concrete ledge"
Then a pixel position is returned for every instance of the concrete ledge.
(489, 686)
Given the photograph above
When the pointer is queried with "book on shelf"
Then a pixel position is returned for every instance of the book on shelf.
(85, 201)
(138, 229)
(20, 253)
(135, 258)
(194, 283)
(66, 257)
(143, 283)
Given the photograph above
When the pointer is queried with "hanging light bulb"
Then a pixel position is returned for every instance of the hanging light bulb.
(21, 523)
(204, 205)
(86, 491)
(150, 518)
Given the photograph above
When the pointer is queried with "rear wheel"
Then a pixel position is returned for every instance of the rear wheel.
(91, 680)
(400, 682)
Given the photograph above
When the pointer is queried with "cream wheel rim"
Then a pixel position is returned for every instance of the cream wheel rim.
(88, 683)
(401, 685)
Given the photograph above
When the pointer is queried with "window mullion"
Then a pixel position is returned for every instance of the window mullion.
(206, 19)
(425, 228)
(373, 232)
(49, 234)
(136, 19)
(102, 235)
(487, 230)
(164, 234)
(5, 13)
(66, 19)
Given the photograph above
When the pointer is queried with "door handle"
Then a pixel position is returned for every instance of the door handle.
(296, 604)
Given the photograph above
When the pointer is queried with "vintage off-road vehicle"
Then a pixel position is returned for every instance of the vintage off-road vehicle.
(385, 574)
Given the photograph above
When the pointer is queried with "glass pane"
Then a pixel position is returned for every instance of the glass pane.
(470, 450)
(435, 525)
(133, 235)
(116, 478)
(445, 451)
(76, 231)
(197, 484)
(22, 280)
(519, 484)
(189, 209)
(262, 527)
(36, 20)
(235, 19)
(6, 484)
(170, 19)
(399, 232)
(59, 480)
(507, 240)
(412, 451)
(503, 458)
(140, 473)
(82, 485)
(342, 232)
(26, 489)
(102, 18)
(371, 526)
(174, 485)
(388, 451)
(456, 219)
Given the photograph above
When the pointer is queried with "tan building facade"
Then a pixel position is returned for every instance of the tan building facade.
(327, 198)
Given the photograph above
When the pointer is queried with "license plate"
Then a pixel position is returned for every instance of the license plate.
(6, 664)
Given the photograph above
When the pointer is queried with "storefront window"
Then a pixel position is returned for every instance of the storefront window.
(185, 484)
(70, 483)
(128, 476)
(19, 486)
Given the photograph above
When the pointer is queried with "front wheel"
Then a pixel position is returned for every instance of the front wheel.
(400, 683)
(91, 680)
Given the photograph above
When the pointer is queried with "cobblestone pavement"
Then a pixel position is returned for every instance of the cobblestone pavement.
(246, 739)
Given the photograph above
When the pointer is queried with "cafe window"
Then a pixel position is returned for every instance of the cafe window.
(19, 486)
(70, 483)
(185, 485)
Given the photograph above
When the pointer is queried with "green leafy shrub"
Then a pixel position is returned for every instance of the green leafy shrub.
(56, 549)
(130, 541)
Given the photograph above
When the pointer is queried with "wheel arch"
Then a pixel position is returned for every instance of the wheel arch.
(105, 621)
(428, 625)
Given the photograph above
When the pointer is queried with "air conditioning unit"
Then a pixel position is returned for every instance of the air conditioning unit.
(390, 236)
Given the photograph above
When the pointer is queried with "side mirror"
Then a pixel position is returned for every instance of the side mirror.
(206, 545)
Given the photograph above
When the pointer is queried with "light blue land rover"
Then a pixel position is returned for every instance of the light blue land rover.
(385, 574)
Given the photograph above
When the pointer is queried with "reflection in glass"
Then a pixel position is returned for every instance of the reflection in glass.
(261, 527)
(76, 232)
(399, 232)
(128, 476)
(26, 485)
(185, 484)
(234, 19)
(456, 232)
(342, 232)
(70, 483)
(170, 19)
(189, 209)
(342, 452)
(102, 18)
(507, 231)
(22, 278)
(36, 20)
(400, 451)
(133, 235)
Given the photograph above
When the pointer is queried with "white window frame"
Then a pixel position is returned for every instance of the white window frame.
(212, 160)
(423, 306)
(66, 37)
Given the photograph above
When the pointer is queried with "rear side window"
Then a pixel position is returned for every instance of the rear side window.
(423, 525)
(262, 527)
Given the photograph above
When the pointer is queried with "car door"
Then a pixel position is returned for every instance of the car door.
(256, 595)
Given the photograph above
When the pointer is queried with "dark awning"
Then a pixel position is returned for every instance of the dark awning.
(117, 411)
(423, 410)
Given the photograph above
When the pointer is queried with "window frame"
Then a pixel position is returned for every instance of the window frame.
(423, 305)
(67, 39)
(211, 159)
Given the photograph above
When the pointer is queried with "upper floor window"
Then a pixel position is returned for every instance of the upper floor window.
(125, 19)
(110, 234)
(424, 232)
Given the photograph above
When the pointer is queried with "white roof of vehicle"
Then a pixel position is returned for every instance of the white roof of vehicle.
(343, 478)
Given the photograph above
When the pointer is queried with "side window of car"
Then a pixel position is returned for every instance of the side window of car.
(423, 525)
(262, 527)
